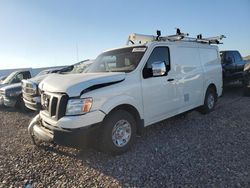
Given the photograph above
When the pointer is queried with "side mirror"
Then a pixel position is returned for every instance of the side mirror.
(159, 68)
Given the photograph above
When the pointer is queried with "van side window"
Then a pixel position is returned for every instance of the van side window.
(158, 54)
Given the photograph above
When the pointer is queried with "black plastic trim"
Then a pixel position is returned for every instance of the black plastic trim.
(98, 86)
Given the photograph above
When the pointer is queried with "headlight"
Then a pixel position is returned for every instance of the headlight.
(78, 106)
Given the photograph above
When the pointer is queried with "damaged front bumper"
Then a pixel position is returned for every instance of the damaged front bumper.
(80, 137)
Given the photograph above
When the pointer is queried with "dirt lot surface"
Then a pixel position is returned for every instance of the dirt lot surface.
(194, 150)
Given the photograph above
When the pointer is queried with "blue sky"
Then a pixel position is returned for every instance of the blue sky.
(37, 33)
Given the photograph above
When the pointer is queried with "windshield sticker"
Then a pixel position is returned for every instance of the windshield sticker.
(139, 50)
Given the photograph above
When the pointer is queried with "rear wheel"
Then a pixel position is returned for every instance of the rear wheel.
(118, 134)
(209, 101)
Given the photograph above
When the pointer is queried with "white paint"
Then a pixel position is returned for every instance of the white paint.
(194, 67)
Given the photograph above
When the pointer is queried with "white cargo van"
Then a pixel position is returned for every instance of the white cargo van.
(129, 88)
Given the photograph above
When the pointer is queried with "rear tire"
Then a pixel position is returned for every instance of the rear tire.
(118, 132)
(209, 101)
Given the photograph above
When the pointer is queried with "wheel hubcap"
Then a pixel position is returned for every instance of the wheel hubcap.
(210, 101)
(121, 133)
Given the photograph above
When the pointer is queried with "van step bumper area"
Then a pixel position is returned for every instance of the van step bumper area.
(72, 138)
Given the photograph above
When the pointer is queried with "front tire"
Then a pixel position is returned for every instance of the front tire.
(118, 133)
(209, 101)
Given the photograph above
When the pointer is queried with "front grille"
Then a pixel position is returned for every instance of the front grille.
(29, 88)
(54, 104)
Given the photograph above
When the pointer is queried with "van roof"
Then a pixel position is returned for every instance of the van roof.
(180, 42)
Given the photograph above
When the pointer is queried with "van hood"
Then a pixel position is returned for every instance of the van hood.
(74, 84)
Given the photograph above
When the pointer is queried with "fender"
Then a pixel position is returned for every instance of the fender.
(112, 103)
(218, 87)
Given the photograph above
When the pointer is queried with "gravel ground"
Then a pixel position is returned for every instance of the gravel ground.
(185, 151)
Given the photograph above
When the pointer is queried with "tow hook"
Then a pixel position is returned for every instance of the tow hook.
(34, 121)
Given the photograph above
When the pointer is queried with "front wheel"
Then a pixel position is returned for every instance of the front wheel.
(209, 101)
(118, 134)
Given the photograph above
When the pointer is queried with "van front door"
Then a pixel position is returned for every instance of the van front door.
(161, 97)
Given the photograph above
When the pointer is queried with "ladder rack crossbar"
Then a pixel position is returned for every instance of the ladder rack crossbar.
(172, 38)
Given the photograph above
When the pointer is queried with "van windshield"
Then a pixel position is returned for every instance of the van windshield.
(121, 60)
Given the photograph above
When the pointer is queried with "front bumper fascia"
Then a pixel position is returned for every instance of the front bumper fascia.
(77, 138)
(74, 122)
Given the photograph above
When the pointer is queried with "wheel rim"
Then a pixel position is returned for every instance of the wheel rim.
(121, 133)
(210, 101)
